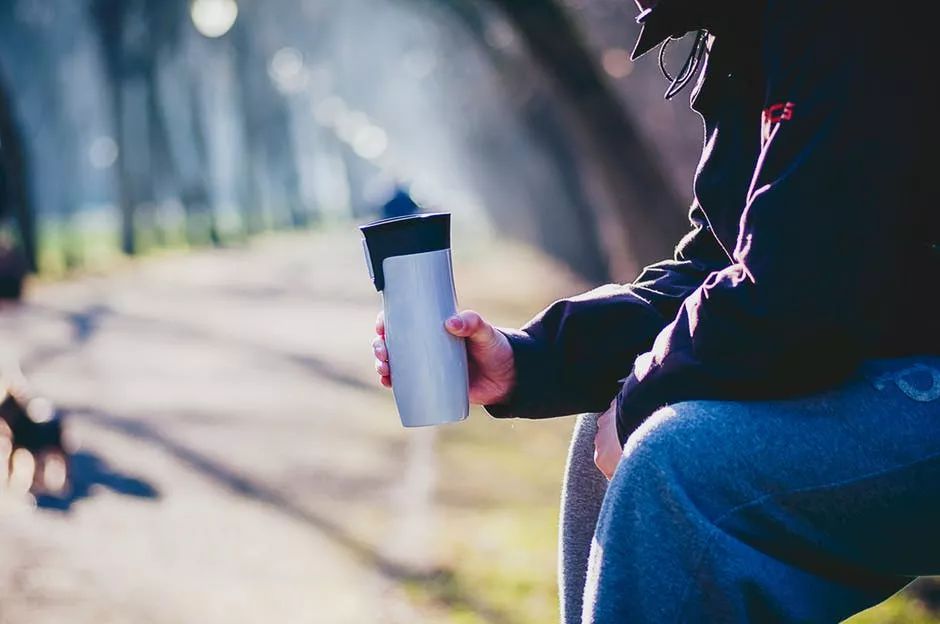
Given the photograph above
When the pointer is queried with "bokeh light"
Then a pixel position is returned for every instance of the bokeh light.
(370, 142)
(617, 63)
(287, 70)
(103, 152)
(214, 18)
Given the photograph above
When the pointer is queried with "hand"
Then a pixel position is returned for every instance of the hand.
(607, 449)
(489, 357)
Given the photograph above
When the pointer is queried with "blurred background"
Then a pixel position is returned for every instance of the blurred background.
(192, 429)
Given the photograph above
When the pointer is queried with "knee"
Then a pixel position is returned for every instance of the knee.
(666, 438)
(680, 448)
(655, 484)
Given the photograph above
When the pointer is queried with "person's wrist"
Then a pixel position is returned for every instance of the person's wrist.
(510, 373)
(505, 404)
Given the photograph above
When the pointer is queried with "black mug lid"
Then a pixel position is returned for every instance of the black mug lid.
(403, 236)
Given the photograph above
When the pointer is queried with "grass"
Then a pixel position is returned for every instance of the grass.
(498, 497)
(899, 609)
(69, 245)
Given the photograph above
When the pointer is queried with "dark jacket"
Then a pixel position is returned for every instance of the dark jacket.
(814, 228)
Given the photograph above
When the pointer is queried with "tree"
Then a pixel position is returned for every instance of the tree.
(134, 36)
(111, 17)
(14, 190)
(638, 215)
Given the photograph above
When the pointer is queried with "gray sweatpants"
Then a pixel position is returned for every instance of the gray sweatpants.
(804, 510)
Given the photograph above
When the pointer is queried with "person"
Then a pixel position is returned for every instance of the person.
(770, 396)
(400, 204)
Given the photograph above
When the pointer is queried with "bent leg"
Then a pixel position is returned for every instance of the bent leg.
(782, 511)
(581, 496)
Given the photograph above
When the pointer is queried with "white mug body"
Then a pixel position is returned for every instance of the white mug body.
(428, 365)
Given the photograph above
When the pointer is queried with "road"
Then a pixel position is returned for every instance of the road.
(235, 462)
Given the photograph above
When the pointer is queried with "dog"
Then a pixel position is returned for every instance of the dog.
(35, 426)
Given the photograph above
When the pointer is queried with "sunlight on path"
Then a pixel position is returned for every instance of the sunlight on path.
(411, 536)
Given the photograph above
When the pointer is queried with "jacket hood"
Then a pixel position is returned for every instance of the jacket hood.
(674, 18)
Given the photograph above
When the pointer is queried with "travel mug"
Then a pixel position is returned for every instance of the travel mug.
(410, 264)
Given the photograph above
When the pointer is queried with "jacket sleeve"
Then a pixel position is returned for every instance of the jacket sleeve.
(573, 356)
(811, 250)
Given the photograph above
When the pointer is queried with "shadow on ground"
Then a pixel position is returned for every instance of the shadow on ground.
(440, 585)
(88, 473)
(87, 322)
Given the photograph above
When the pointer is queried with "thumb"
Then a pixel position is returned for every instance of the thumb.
(470, 325)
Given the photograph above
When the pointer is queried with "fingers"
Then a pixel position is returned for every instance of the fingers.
(380, 349)
(380, 324)
(384, 372)
(382, 368)
(469, 324)
(464, 324)
(607, 448)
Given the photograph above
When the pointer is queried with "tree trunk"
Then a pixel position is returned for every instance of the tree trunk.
(639, 215)
(561, 219)
(14, 172)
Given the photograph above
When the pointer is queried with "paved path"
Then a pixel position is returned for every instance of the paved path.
(238, 461)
